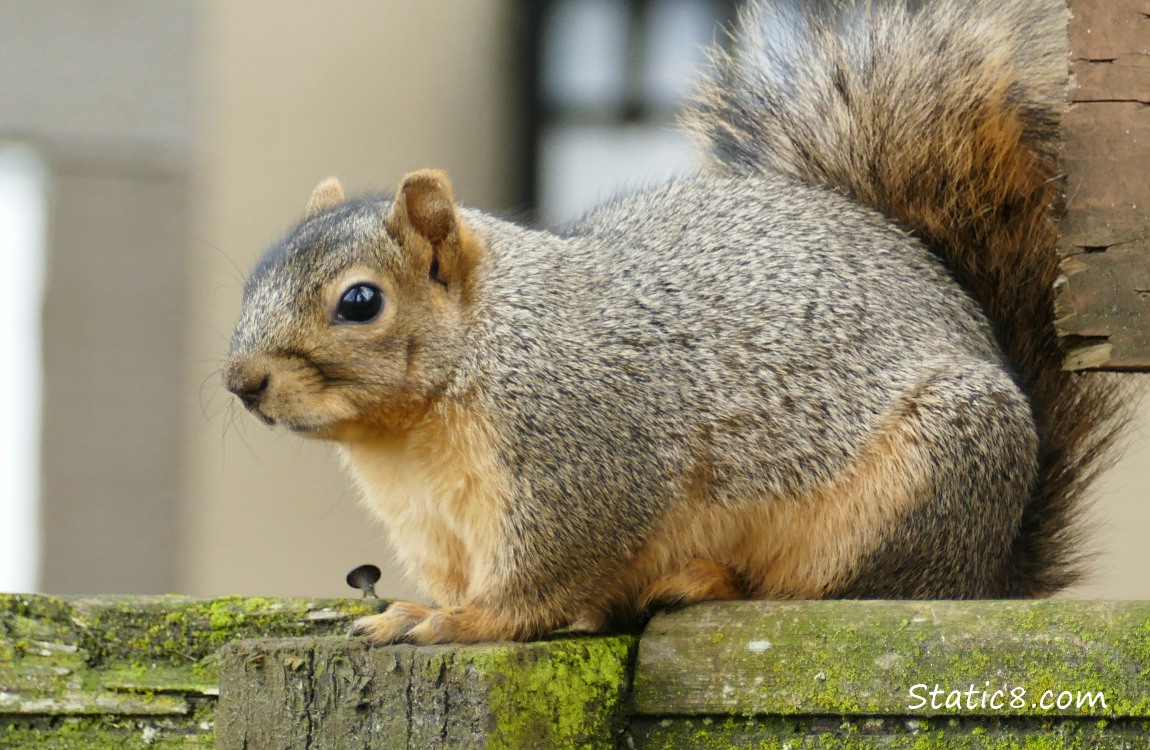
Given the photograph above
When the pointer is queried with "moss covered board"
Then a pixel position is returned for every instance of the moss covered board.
(864, 658)
(132, 672)
(307, 694)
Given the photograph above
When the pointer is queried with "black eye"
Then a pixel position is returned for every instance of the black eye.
(359, 304)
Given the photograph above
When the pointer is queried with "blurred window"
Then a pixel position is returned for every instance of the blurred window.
(613, 74)
(23, 201)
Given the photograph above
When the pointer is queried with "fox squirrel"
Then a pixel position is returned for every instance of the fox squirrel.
(826, 367)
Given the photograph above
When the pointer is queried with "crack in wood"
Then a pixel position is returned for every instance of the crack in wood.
(408, 700)
(1076, 250)
(1083, 352)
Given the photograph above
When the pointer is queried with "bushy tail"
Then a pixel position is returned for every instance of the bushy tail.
(943, 114)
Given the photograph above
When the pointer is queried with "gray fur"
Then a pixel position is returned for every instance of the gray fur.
(727, 318)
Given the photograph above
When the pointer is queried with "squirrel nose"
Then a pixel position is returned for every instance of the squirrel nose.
(248, 383)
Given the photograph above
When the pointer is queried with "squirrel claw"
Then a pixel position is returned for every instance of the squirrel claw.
(390, 626)
(404, 622)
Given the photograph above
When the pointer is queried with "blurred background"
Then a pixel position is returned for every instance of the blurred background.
(151, 149)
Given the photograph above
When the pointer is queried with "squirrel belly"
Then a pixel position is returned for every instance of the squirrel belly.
(824, 368)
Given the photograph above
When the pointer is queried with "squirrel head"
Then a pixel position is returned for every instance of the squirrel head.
(353, 325)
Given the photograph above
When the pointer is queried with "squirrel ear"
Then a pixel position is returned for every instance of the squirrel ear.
(423, 217)
(326, 194)
(425, 204)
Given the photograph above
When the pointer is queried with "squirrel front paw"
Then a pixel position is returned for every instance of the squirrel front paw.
(405, 622)
(392, 625)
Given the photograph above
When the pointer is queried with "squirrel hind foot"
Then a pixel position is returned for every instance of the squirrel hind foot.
(698, 580)
(634, 601)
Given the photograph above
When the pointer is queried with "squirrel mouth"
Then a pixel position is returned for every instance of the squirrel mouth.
(307, 429)
(296, 427)
(254, 410)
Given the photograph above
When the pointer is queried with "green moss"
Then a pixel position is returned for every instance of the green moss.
(157, 678)
(35, 607)
(811, 733)
(128, 671)
(126, 657)
(852, 658)
(570, 698)
(189, 632)
(82, 733)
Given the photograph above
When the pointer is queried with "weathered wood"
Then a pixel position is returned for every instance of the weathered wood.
(132, 671)
(140, 672)
(1102, 307)
(882, 733)
(863, 658)
(314, 694)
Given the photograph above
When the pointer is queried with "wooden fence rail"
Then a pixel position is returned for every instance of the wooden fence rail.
(278, 674)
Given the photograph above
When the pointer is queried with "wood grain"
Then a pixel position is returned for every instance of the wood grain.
(862, 658)
(1101, 309)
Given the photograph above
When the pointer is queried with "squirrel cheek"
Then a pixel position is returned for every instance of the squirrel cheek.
(324, 408)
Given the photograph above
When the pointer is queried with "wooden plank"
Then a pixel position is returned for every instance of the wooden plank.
(1102, 306)
(837, 733)
(851, 658)
(88, 703)
(268, 695)
(312, 693)
(133, 671)
(1108, 326)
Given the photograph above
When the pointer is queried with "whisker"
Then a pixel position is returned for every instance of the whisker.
(240, 277)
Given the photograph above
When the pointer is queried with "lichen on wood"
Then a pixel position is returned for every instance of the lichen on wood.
(862, 658)
(301, 694)
(132, 671)
(142, 671)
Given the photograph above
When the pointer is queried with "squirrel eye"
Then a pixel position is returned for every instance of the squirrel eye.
(359, 304)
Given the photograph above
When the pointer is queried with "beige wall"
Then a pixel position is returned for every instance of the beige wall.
(103, 92)
(290, 94)
(1119, 520)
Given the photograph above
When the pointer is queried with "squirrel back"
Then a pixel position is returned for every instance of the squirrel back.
(944, 115)
(825, 368)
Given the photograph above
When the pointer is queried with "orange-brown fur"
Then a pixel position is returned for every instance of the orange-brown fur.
(777, 548)
(439, 491)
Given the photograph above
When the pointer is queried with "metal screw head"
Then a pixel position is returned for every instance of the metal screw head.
(364, 578)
